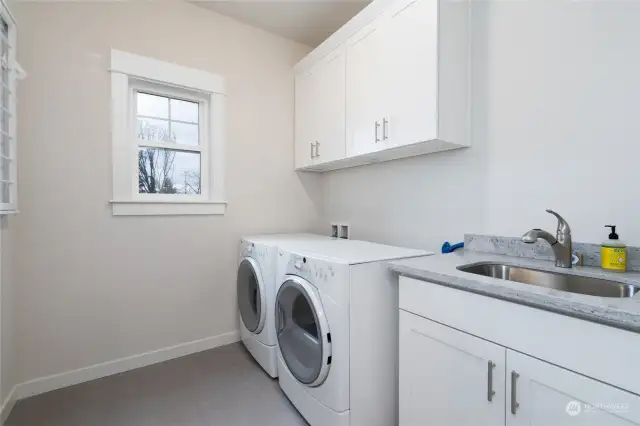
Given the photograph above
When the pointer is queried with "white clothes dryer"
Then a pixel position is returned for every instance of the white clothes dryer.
(337, 331)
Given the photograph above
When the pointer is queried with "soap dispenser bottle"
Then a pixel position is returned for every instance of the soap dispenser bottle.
(614, 252)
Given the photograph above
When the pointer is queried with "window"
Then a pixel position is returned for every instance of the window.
(167, 123)
(9, 72)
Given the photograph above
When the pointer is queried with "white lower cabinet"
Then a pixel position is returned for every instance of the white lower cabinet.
(451, 378)
(542, 394)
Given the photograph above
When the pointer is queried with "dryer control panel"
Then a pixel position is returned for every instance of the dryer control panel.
(326, 275)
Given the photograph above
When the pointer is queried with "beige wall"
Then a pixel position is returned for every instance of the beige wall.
(555, 125)
(94, 287)
(7, 299)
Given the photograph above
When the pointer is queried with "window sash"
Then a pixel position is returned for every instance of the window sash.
(169, 145)
(202, 148)
(172, 120)
(170, 93)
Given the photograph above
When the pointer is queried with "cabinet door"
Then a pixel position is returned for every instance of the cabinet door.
(447, 377)
(329, 111)
(304, 119)
(542, 394)
(410, 36)
(363, 91)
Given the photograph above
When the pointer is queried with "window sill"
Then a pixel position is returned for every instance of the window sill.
(167, 208)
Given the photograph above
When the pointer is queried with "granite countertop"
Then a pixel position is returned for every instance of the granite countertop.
(441, 269)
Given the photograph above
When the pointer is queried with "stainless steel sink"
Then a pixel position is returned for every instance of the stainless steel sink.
(556, 280)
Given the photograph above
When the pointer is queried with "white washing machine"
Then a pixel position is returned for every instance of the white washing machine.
(256, 281)
(337, 331)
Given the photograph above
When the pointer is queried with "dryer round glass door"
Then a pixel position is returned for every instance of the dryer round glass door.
(303, 332)
(251, 295)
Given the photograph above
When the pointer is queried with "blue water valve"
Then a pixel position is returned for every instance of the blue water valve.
(448, 248)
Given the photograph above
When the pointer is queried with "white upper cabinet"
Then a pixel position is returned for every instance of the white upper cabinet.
(406, 90)
(320, 111)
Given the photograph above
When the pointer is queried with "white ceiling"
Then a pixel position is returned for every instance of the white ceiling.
(306, 21)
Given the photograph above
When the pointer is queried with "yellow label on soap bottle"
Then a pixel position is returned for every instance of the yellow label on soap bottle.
(614, 258)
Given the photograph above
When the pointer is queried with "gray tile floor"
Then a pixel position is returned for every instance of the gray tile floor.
(219, 387)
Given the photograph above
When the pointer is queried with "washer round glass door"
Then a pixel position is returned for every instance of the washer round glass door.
(303, 332)
(251, 296)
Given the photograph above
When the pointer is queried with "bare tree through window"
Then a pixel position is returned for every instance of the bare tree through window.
(191, 182)
(155, 168)
(172, 122)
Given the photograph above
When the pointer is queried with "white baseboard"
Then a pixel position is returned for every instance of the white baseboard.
(7, 406)
(69, 378)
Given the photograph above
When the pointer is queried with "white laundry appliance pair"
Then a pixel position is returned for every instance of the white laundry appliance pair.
(337, 331)
(256, 282)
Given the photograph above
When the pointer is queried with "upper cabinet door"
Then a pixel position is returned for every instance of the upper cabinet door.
(447, 377)
(364, 62)
(542, 394)
(320, 111)
(410, 89)
(304, 119)
(329, 107)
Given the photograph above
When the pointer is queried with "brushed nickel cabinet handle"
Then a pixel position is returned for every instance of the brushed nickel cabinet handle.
(376, 128)
(317, 149)
(385, 122)
(311, 149)
(514, 399)
(490, 391)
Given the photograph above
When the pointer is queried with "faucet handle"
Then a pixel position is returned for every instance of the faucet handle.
(563, 226)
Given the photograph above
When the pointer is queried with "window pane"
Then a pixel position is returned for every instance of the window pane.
(5, 169)
(5, 145)
(5, 192)
(152, 105)
(5, 51)
(5, 46)
(165, 171)
(4, 121)
(184, 111)
(153, 130)
(186, 134)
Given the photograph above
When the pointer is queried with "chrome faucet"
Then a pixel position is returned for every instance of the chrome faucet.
(561, 243)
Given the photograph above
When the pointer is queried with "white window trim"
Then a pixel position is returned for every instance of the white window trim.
(18, 74)
(128, 69)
